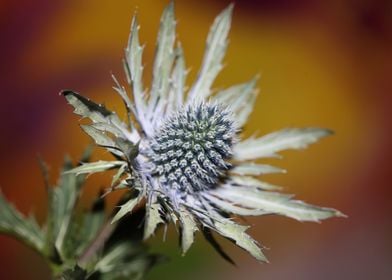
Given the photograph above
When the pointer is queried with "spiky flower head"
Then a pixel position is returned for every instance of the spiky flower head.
(181, 151)
(191, 149)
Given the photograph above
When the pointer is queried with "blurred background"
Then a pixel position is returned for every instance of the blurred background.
(322, 63)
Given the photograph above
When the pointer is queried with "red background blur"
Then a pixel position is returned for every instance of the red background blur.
(322, 63)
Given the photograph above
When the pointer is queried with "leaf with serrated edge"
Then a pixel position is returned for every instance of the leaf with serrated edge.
(101, 138)
(163, 62)
(26, 229)
(227, 95)
(133, 60)
(93, 167)
(98, 136)
(231, 208)
(153, 219)
(126, 208)
(97, 113)
(215, 51)
(119, 174)
(275, 203)
(127, 102)
(240, 99)
(125, 260)
(246, 110)
(253, 182)
(237, 233)
(113, 256)
(188, 229)
(92, 223)
(62, 203)
(255, 169)
(270, 144)
(176, 93)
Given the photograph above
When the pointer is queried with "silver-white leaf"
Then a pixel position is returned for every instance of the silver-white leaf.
(240, 99)
(214, 53)
(255, 169)
(153, 219)
(120, 172)
(188, 229)
(134, 69)
(163, 63)
(230, 207)
(93, 167)
(237, 233)
(275, 203)
(176, 93)
(126, 208)
(253, 183)
(270, 144)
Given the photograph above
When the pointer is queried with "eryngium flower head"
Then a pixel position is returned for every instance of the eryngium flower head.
(191, 149)
(181, 151)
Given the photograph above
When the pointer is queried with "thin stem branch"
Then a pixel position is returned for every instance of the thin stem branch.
(97, 243)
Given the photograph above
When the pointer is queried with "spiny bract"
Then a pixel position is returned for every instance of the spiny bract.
(181, 150)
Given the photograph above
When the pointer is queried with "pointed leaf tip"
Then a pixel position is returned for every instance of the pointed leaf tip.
(65, 92)
(188, 229)
(268, 145)
(229, 8)
(153, 219)
(213, 57)
(126, 208)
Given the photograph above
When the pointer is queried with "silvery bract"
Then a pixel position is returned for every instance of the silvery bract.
(181, 151)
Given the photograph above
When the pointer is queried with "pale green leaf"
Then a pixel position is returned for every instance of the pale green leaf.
(240, 99)
(134, 68)
(226, 96)
(62, 201)
(232, 208)
(94, 167)
(253, 182)
(115, 255)
(270, 144)
(188, 229)
(101, 138)
(214, 53)
(125, 98)
(246, 109)
(129, 149)
(106, 128)
(176, 93)
(255, 169)
(91, 224)
(153, 219)
(275, 203)
(163, 62)
(97, 113)
(125, 260)
(126, 208)
(119, 147)
(120, 172)
(98, 136)
(15, 224)
(237, 234)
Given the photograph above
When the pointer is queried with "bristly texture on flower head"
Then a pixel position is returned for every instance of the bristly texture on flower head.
(181, 151)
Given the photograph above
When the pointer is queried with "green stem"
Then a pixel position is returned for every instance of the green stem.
(97, 243)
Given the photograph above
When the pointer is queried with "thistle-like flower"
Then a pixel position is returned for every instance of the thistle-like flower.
(181, 151)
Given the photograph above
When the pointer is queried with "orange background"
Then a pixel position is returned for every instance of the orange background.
(322, 63)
